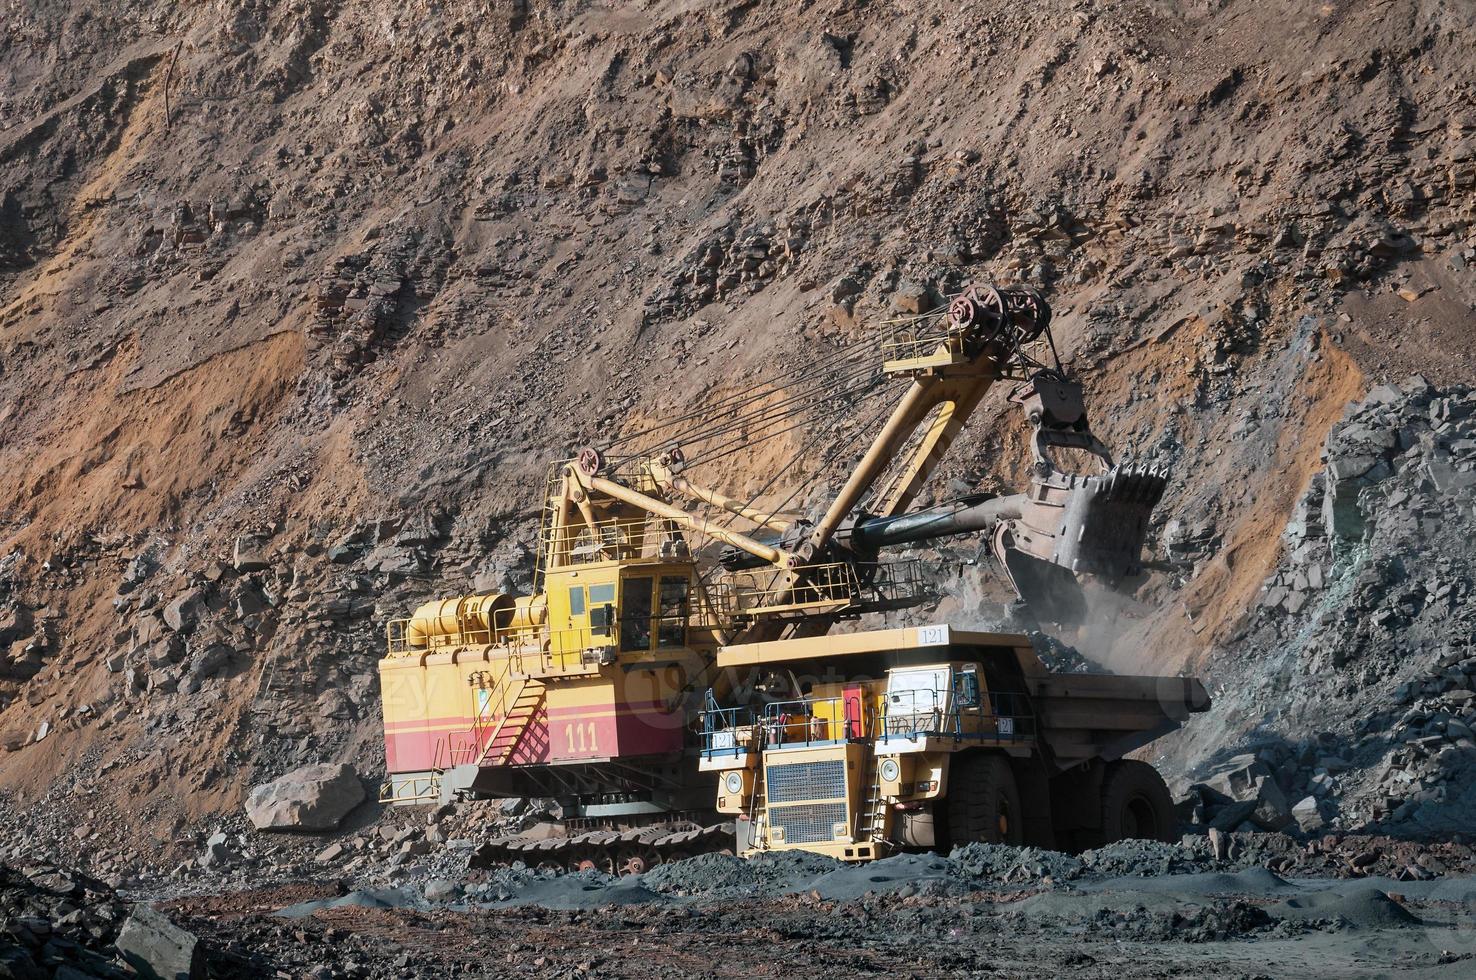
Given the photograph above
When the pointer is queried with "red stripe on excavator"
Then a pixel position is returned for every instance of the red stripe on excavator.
(591, 710)
(573, 737)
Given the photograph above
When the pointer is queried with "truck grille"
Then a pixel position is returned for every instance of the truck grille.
(808, 823)
(806, 800)
(807, 781)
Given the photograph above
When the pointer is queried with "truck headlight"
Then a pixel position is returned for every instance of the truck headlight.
(890, 770)
(733, 783)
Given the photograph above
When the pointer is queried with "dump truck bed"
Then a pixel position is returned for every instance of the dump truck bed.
(1106, 716)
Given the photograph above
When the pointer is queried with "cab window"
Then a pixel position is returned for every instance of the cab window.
(601, 607)
(635, 614)
(967, 689)
(576, 601)
(672, 631)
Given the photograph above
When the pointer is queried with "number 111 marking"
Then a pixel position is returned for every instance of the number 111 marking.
(577, 730)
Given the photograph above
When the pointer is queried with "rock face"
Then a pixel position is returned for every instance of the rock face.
(158, 949)
(315, 797)
(1361, 638)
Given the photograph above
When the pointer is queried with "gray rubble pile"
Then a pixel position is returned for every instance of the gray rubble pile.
(1363, 638)
(56, 922)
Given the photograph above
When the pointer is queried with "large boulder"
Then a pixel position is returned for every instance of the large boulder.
(1238, 778)
(315, 797)
(157, 949)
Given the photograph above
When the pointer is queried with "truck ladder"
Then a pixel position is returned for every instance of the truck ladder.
(758, 808)
(871, 821)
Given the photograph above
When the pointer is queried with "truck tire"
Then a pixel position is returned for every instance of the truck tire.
(983, 801)
(1034, 786)
(1136, 804)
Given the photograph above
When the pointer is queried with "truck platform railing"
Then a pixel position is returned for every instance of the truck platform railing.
(806, 722)
(727, 733)
(797, 723)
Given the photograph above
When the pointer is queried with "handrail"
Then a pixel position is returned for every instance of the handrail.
(722, 727)
(799, 722)
(834, 585)
(903, 343)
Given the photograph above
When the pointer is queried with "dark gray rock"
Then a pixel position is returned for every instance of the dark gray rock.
(248, 555)
(158, 949)
(184, 610)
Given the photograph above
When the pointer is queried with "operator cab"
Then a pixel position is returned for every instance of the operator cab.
(953, 701)
(630, 610)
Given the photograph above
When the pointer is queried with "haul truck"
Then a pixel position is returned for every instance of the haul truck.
(675, 701)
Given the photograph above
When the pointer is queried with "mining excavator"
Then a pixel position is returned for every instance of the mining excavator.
(695, 672)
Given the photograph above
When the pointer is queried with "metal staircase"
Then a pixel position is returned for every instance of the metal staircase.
(512, 722)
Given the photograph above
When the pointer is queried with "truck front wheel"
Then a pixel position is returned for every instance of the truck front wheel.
(983, 801)
(1136, 804)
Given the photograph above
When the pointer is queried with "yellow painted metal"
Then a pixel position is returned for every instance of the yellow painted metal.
(826, 587)
(690, 521)
(956, 395)
(846, 644)
(953, 411)
(564, 585)
(906, 352)
(838, 801)
(883, 449)
(462, 620)
(664, 477)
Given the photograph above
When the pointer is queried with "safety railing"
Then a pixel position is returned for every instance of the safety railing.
(730, 732)
(836, 586)
(403, 790)
(922, 338)
(912, 714)
(456, 749)
(727, 732)
(473, 628)
(812, 721)
(894, 584)
(517, 641)
(493, 692)
(771, 590)
(579, 542)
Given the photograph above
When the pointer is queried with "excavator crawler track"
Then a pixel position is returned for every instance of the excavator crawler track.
(619, 852)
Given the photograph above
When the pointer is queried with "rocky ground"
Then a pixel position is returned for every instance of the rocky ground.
(1151, 909)
(326, 286)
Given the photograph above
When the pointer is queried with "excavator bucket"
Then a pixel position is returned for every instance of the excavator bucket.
(1105, 521)
(1089, 531)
